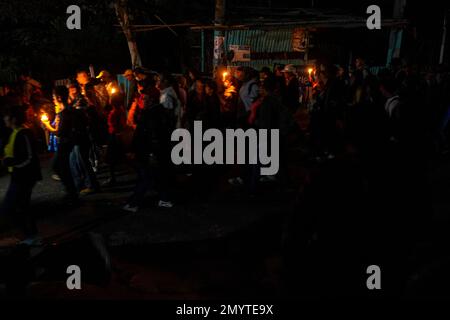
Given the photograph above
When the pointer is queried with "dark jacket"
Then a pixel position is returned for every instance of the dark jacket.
(272, 114)
(194, 106)
(152, 134)
(65, 128)
(291, 94)
(80, 126)
(210, 113)
(268, 114)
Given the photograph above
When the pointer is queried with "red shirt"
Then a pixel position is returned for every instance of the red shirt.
(117, 120)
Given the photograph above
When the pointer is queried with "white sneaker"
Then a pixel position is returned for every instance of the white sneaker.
(165, 204)
(267, 179)
(129, 208)
(236, 181)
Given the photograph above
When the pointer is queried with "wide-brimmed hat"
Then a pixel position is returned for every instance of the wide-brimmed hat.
(290, 68)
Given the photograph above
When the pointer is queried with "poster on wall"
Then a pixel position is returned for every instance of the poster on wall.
(241, 53)
(299, 40)
(218, 47)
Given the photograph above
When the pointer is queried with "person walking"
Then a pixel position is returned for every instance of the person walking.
(151, 152)
(117, 123)
(21, 158)
(65, 143)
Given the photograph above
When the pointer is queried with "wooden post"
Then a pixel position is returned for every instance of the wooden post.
(124, 20)
(219, 39)
(202, 48)
(395, 38)
(444, 36)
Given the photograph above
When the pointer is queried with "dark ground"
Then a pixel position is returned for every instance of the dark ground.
(222, 246)
(228, 246)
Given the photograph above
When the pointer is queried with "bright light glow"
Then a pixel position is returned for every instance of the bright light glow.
(310, 70)
(113, 90)
(230, 90)
(224, 76)
(44, 118)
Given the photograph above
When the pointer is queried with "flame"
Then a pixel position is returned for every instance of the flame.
(229, 91)
(310, 70)
(229, 88)
(113, 90)
(224, 76)
(44, 118)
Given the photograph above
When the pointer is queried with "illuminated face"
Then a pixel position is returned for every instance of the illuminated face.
(278, 72)
(82, 78)
(140, 76)
(199, 87)
(209, 91)
(182, 82)
(359, 63)
(73, 91)
(239, 74)
(129, 77)
(161, 84)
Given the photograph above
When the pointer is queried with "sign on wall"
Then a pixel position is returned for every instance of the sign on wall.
(241, 53)
(299, 40)
(218, 47)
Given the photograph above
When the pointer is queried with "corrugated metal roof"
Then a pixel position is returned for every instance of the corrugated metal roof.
(261, 40)
(258, 64)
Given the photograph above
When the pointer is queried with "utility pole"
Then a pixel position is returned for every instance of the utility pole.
(219, 38)
(444, 36)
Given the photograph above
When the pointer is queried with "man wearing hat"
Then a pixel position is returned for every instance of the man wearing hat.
(291, 93)
(128, 85)
(110, 83)
(141, 73)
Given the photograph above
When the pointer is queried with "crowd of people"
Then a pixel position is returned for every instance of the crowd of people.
(396, 117)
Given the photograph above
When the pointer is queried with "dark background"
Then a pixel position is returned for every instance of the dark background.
(33, 34)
